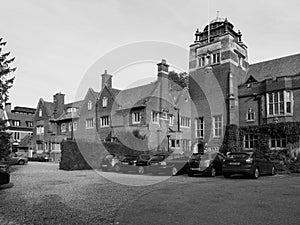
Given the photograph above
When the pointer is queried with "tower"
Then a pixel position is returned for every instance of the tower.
(218, 62)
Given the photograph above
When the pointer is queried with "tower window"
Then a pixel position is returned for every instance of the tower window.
(216, 57)
(250, 115)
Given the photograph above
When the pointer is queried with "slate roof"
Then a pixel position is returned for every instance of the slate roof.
(134, 96)
(285, 66)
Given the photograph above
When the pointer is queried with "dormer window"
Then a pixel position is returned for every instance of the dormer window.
(90, 105)
(40, 113)
(104, 102)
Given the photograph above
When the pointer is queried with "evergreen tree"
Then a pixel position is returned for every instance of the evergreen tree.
(6, 83)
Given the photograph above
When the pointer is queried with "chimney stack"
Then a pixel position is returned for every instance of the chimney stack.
(8, 107)
(106, 80)
(59, 104)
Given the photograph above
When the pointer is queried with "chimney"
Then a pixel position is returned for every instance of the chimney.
(163, 76)
(106, 80)
(8, 107)
(59, 104)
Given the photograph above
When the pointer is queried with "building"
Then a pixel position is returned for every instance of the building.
(56, 121)
(154, 116)
(19, 122)
(226, 90)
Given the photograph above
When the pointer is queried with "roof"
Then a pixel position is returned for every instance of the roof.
(49, 107)
(285, 66)
(134, 96)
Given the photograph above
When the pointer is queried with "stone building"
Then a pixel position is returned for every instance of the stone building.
(226, 90)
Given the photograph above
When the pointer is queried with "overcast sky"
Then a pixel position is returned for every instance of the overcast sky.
(56, 42)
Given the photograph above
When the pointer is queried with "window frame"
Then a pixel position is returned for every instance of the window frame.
(250, 141)
(89, 123)
(279, 103)
(199, 129)
(104, 102)
(134, 117)
(90, 105)
(219, 127)
(104, 121)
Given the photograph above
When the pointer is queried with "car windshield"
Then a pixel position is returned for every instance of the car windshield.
(144, 157)
(239, 155)
(157, 158)
(129, 157)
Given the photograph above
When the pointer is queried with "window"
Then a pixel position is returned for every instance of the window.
(40, 112)
(75, 126)
(250, 115)
(217, 123)
(171, 120)
(279, 103)
(202, 61)
(89, 123)
(136, 117)
(250, 141)
(278, 142)
(16, 123)
(71, 110)
(39, 130)
(155, 117)
(216, 57)
(29, 124)
(104, 102)
(63, 127)
(104, 121)
(199, 127)
(174, 143)
(186, 145)
(17, 136)
(90, 105)
(185, 121)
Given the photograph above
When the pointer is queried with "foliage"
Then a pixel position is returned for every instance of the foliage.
(233, 139)
(180, 79)
(138, 135)
(5, 85)
(5, 70)
(4, 140)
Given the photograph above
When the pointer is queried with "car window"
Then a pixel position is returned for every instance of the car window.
(238, 155)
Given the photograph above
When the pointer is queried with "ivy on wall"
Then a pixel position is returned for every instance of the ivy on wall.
(233, 138)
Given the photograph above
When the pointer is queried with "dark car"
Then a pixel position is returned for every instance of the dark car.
(248, 163)
(164, 163)
(132, 163)
(108, 162)
(205, 163)
(4, 174)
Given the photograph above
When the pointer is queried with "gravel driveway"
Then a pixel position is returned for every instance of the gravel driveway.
(42, 194)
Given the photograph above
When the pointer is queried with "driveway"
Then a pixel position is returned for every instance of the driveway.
(42, 194)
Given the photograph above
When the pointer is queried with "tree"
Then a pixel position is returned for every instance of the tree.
(180, 79)
(5, 70)
(6, 83)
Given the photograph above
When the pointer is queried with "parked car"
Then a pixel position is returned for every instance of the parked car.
(109, 162)
(164, 163)
(4, 174)
(206, 163)
(17, 160)
(132, 163)
(248, 163)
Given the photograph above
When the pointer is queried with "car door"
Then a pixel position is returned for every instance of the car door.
(261, 162)
(219, 163)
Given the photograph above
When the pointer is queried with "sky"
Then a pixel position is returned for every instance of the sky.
(57, 42)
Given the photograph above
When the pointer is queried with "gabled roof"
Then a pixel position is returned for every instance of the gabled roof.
(136, 96)
(285, 66)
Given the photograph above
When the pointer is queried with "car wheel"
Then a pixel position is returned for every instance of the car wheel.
(174, 171)
(141, 170)
(273, 172)
(117, 168)
(256, 173)
(212, 172)
(21, 162)
(226, 175)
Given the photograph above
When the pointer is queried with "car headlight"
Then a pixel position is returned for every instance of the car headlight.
(163, 163)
